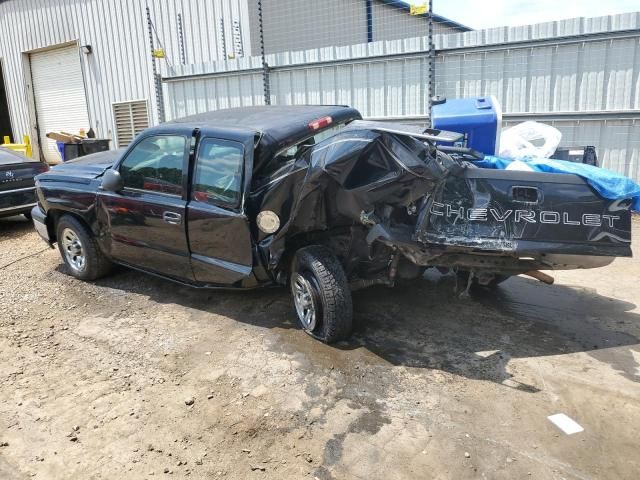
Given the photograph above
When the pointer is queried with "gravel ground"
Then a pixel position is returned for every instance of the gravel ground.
(134, 377)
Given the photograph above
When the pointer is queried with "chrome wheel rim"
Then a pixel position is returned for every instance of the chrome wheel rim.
(303, 300)
(73, 251)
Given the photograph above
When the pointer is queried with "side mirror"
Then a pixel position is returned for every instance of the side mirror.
(112, 181)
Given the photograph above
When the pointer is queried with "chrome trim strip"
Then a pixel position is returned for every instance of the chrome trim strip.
(17, 190)
(19, 207)
(152, 192)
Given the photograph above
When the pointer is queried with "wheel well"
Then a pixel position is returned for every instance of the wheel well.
(54, 216)
(340, 241)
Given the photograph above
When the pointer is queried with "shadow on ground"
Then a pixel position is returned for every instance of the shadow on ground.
(15, 226)
(424, 324)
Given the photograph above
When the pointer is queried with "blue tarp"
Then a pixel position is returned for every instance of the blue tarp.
(608, 184)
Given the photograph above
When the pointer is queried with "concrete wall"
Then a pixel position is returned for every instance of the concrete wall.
(119, 69)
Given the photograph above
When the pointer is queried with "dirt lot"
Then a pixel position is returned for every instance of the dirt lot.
(96, 378)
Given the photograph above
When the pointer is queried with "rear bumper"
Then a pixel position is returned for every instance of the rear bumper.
(509, 257)
(39, 219)
(16, 202)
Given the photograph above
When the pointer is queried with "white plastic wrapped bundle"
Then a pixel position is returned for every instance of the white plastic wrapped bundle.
(529, 139)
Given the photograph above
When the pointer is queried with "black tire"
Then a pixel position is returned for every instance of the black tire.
(463, 278)
(331, 296)
(95, 264)
(27, 215)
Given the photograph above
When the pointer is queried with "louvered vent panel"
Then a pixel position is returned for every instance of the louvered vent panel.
(130, 119)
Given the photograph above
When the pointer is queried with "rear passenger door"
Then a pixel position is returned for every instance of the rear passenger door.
(218, 229)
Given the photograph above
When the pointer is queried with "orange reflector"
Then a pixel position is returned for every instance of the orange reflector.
(320, 123)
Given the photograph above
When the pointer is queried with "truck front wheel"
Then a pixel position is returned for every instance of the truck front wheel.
(321, 294)
(80, 251)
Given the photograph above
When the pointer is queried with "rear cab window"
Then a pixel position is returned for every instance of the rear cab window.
(283, 161)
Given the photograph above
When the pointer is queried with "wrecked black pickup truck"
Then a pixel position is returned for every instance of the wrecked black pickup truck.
(314, 198)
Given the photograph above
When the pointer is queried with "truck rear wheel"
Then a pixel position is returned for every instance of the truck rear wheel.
(321, 294)
(80, 251)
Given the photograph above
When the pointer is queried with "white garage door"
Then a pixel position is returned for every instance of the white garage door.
(59, 94)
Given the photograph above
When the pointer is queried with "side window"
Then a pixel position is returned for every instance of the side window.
(218, 175)
(155, 164)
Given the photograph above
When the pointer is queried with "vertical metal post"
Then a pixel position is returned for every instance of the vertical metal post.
(369, 7)
(265, 67)
(223, 39)
(432, 64)
(183, 57)
(238, 45)
(157, 81)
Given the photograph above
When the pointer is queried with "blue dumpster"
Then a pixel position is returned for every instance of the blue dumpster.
(479, 119)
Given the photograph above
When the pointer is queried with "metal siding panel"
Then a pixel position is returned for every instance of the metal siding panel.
(472, 74)
(591, 87)
(395, 88)
(414, 86)
(358, 81)
(564, 80)
(620, 58)
(314, 86)
(493, 77)
(540, 77)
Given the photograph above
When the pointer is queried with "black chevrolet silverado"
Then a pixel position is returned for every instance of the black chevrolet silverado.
(315, 198)
(17, 187)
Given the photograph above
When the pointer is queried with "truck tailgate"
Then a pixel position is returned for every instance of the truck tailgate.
(525, 212)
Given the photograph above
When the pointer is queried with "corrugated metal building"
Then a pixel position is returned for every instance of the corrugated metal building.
(299, 25)
(68, 64)
(581, 75)
(71, 64)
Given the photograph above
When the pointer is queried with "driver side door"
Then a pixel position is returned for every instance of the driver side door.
(146, 220)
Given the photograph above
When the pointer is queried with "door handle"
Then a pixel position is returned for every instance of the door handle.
(172, 217)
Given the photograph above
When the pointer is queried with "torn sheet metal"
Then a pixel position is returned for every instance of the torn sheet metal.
(389, 185)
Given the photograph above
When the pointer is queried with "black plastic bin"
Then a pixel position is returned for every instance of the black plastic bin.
(71, 151)
(86, 147)
(586, 155)
(95, 145)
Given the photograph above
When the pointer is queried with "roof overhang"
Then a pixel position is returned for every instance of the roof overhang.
(403, 5)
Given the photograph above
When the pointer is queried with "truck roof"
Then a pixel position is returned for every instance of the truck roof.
(279, 126)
